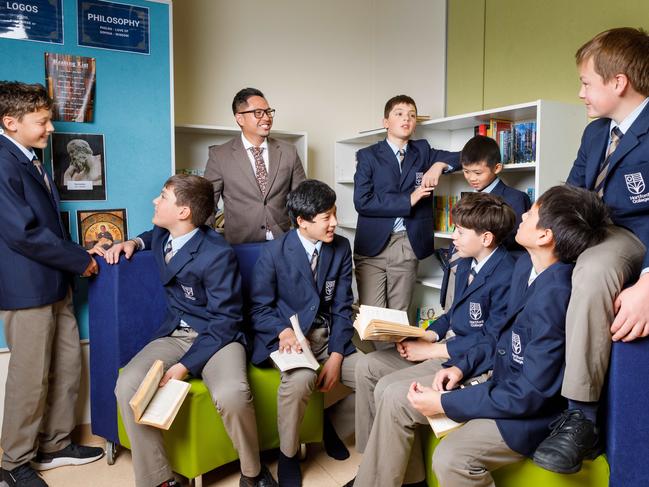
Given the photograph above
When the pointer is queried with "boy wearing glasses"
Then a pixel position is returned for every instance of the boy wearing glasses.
(253, 173)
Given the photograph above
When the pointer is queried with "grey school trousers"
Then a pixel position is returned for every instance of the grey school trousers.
(42, 380)
(225, 376)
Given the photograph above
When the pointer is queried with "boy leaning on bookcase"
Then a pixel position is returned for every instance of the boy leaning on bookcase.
(201, 333)
(483, 221)
(508, 415)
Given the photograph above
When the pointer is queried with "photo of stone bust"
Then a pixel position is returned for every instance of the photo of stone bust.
(84, 166)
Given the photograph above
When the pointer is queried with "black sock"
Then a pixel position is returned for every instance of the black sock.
(588, 408)
(288, 471)
(334, 446)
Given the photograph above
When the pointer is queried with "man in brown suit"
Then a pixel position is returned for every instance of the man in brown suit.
(254, 173)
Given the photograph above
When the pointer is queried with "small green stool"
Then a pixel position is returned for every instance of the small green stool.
(197, 441)
(527, 474)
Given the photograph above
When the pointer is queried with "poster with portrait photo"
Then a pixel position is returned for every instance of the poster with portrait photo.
(101, 227)
(79, 166)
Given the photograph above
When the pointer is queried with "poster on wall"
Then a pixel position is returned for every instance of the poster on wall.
(101, 227)
(114, 26)
(71, 84)
(33, 20)
(78, 165)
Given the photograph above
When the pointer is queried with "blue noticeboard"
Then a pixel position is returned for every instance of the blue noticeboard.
(115, 26)
(33, 20)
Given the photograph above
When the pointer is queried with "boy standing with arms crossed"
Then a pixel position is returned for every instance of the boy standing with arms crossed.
(38, 262)
(613, 162)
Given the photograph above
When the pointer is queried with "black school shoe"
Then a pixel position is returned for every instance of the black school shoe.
(72, 454)
(23, 476)
(264, 479)
(573, 439)
(288, 471)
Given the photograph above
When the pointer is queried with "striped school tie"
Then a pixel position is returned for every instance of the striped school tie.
(616, 135)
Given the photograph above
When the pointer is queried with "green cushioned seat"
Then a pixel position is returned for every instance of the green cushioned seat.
(527, 474)
(197, 441)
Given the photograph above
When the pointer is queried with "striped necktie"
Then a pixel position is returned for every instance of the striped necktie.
(616, 135)
(168, 252)
(314, 263)
(472, 275)
(39, 167)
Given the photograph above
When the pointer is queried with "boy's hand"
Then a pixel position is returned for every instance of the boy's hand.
(177, 371)
(430, 336)
(330, 372)
(632, 312)
(92, 268)
(112, 254)
(431, 177)
(425, 400)
(288, 342)
(97, 250)
(416, 350)
(447, 379)
(419, 193)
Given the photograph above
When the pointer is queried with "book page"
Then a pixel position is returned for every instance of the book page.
(288, 361)
(147, 389)
(369, 313)
(165, 404)
(442, 424)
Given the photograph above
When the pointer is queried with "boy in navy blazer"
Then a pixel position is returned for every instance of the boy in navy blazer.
(392, 184)
(307, 272)
(480, 159)
(483, 221)
(37, 265)
(201, 334)
(611, 281)
(508, 416)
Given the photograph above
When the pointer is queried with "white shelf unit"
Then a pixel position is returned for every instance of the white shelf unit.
(193, 141)
(558, 132)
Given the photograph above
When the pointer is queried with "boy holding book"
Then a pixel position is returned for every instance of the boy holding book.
(201, 334)
(611, 280)
(37, 265)
(508, 415)
(483, 221)
(308, 272)
(481, 165)
(393, 182)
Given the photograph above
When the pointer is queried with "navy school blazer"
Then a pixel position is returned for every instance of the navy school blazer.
(203, 288)
(524, 393)
(626, 188)
(520, 202)
(479, 310)
(283, 285)
(37, 258)
(382, 194)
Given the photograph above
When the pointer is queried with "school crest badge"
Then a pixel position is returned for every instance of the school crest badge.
(634, 183)
(329, 289)
(475, 311)
(516, 343)
(189, 292)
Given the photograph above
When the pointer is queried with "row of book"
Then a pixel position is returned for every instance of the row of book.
(517, 140)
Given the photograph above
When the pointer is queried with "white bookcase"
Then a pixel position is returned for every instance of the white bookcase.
(193, 141)
(558, 133)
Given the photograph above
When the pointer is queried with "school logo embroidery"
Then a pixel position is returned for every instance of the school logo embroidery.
(517, 347)
(634, 183)
(475, 311)
(329, 289)
(189, 292)
(419, 178)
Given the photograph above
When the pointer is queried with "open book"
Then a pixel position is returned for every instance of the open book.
(386, 325)
(442, 424)
(158, 406)
(287, 361)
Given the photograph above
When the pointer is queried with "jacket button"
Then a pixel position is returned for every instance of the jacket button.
(501, 351)
(312, 308)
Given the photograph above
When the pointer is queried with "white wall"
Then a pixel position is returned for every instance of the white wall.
(326, 66)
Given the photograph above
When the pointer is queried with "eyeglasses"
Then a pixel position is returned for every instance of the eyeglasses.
(259, 113)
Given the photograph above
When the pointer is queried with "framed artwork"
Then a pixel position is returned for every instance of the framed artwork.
(79, 166)
(101, 227)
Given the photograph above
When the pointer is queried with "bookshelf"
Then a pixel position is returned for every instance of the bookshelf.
(558, 132)
(193, 141)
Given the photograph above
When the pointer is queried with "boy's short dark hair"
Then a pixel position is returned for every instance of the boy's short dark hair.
(623, 50)
(480, 148)
(18, 99)
(484, 212)
(394, 101)
(241, 99)
(577, 217)
(309, 199)
(195, 192)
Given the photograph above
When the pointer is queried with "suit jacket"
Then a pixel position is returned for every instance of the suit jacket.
(37, 258)
(524, 393)
(478, 310)
(520, 202)
(246, 211)
(626, 188)
(203, 288)
(382, 194)
(283, 285)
